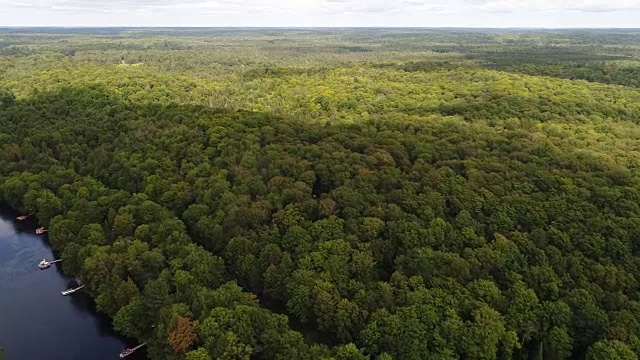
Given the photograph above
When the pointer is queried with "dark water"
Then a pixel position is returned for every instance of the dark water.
(36, 321)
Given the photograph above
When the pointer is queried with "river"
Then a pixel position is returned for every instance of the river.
(36, 321)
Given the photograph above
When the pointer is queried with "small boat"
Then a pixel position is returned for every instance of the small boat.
(22, 217)
(44, 264)
(41, 230)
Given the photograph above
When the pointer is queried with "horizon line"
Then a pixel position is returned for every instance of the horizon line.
(307, 27)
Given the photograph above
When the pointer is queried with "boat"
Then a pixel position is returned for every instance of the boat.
(22, 217)
(44, 264)
(41, 230)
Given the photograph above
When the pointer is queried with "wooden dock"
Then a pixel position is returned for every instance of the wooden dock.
(71, 291)
(128, 352)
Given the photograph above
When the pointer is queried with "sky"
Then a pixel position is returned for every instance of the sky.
(323, 13)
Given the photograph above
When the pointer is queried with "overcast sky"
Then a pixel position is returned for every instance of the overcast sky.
(415, 13)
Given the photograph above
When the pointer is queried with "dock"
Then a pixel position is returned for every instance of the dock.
(41, 231)
(24, 217)
(127, 352)
(71, 291)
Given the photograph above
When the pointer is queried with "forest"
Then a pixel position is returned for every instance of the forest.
(341, 194)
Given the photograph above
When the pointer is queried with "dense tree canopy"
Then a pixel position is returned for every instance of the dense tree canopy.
(366, 197)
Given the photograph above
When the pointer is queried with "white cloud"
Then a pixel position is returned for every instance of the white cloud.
(553, 5)
(426, 13)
